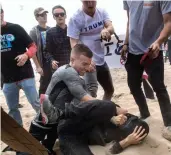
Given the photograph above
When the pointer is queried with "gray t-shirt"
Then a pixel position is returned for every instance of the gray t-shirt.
(145, 23)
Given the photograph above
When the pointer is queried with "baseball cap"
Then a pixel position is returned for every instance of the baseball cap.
(39, 11)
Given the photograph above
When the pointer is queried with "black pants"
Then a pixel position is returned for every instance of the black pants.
(169, 50)
(156, 73)
(46, 136)
(73, 131)
(105, 80)
(45, 80)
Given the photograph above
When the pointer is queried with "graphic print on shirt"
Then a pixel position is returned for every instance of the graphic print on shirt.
(43, 37)
(93, 26)
(6, 40)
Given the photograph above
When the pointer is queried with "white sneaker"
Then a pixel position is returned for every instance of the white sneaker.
(167, 133)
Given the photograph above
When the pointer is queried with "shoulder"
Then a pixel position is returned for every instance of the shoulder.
(65, 72)
(13, 25)
(101, 10)
(33, 30)
(77, 15)
(51, 30)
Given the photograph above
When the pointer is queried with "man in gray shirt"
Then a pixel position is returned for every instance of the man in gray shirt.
(149, 26)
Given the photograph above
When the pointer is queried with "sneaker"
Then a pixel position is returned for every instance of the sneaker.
(49, 113)
(114, 148)
(167, 133)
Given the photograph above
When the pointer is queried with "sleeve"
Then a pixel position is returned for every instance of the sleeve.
(165, 6)
(74, 84)
(25, 38)
(33, 36)
(73, 30)
(106, 16)
(125, 5)
(48, 51)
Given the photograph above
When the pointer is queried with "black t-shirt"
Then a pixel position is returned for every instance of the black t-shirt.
(14, 41)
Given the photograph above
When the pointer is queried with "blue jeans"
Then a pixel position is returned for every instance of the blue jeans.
(11, 92)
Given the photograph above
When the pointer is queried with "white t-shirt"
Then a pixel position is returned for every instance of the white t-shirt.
(87, 29)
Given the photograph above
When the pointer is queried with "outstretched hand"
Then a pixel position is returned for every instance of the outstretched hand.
(136, 136)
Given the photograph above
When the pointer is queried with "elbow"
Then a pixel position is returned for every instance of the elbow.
(32, 49)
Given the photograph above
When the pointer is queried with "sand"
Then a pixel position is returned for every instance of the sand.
(154, 143)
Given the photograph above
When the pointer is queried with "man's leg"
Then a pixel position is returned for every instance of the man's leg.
(156, 72)
(29, 89)
(88, 114)
(51, 138)
(73, 145)
(134, 77)
(169, 54)
(45, 79)
(37, 133)
(11, 92)
(91, 83)
(105, 80)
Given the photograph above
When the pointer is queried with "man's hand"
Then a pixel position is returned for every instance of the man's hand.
(136, 136)
(40, 71)
(119, 120)
(105, 35)
(55, 64)
(92, 67)
(21, 59)
(154, 50)
(124, 52)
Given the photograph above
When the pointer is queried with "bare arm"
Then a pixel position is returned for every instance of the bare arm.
(38, 67)
(127, 31)
(87, 98)
(108, 25)
(73, 42)
(166, 32)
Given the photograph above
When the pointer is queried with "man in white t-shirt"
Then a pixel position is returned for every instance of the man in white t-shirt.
(88, 25)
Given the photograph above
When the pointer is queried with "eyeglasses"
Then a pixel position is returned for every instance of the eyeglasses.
(62, 14)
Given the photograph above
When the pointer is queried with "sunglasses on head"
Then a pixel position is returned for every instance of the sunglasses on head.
(62, 14)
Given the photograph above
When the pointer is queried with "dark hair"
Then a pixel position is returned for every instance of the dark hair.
(82, 50)
(57, 7)
(133, 121)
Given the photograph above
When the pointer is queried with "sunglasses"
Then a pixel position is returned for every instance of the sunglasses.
(62, 14)
(41, 15)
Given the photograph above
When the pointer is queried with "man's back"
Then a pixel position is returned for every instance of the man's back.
(61, 89)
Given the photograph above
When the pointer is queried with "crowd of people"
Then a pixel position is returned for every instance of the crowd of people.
(71, 63)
